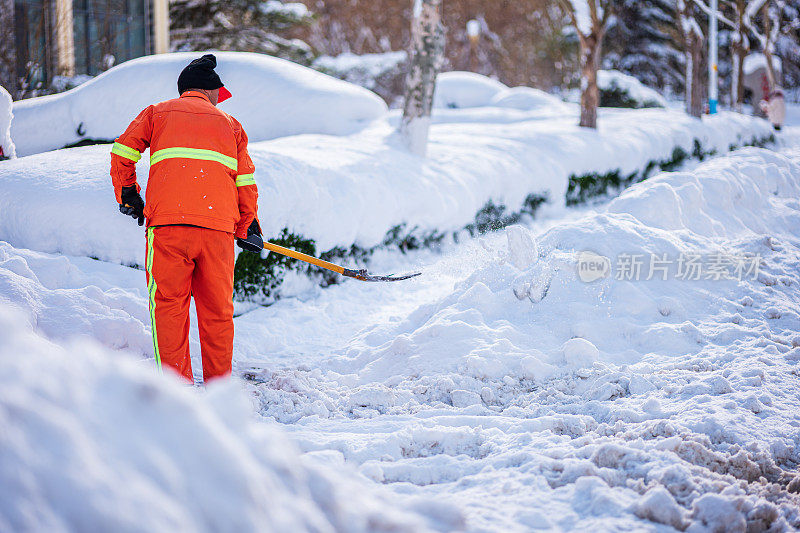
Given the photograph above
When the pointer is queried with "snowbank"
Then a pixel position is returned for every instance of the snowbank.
(344, 190)
(92, 441)
(526, 312)
(527, 99)
(643, 96)
(64, 297)
(464, 89)
(6, 116)
(271, 98)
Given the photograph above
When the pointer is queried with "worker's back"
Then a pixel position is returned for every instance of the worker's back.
(196, 153)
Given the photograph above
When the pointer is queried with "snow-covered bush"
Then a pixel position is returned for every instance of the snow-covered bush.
(95, 441)
(621, 90)
(382, 73)
(596, 184)
(458, 90)
(271, 97)
(7, 149)
(355, 193)
(526, 99)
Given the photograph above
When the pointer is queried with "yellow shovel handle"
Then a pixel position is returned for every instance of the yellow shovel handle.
(303, 257)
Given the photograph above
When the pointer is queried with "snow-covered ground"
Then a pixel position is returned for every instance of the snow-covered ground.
(497, 392)
(502, 383)
(478, 402)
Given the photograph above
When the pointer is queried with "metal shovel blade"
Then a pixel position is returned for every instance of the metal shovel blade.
(363, 275)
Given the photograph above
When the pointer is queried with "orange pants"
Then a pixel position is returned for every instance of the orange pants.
(186, 261)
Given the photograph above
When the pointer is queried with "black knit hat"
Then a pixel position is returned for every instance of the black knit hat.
(199, 74)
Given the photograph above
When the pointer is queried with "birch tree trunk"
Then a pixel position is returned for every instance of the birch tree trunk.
(590, 64)
(740, 47)
(768, 44)
(696, 94)
(590, 18)
(693, 51)
(426, 56)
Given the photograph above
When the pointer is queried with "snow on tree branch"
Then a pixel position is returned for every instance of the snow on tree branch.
(707, 10)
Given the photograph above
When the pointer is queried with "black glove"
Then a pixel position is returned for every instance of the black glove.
(253, 243)
(132, 204)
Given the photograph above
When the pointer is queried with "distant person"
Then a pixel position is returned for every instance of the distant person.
(200, 194)
(774, 106)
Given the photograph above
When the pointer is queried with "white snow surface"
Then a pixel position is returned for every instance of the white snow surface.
(458, 90)
(482, 402)
(645, 96)
(501, 381)
(6, 117)
(757, 60)
(340, 190)
(95, 441)
(271, 98)
(581, 10)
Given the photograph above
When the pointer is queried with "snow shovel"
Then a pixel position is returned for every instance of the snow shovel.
(362, 274)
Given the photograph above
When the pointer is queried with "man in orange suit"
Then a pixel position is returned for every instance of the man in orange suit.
(201, 193)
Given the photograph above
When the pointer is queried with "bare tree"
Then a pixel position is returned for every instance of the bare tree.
(693, 45)
(590, 18)
(426, 55)
(740, 47)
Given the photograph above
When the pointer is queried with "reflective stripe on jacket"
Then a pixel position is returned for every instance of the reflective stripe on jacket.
(200, 171)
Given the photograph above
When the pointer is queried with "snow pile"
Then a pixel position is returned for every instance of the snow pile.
(344, 190)
(526, 312)
(757, 60)
(527, 99)
(68, 296)
(271, 98)
(643, 96)
(6, 116)
(458, 90)
(92, 441)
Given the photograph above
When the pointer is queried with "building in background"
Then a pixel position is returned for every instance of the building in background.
(45, 43)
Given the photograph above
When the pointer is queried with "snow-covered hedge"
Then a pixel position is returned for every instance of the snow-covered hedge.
(7, 149)
(458, 90)
(344, 195)
(94, 441)
(339, 191)
(271, 97)
(526, 99)
(621, 90)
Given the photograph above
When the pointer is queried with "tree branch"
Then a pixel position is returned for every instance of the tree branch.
(707, 10)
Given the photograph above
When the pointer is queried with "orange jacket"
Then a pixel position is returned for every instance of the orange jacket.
(200, 171)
